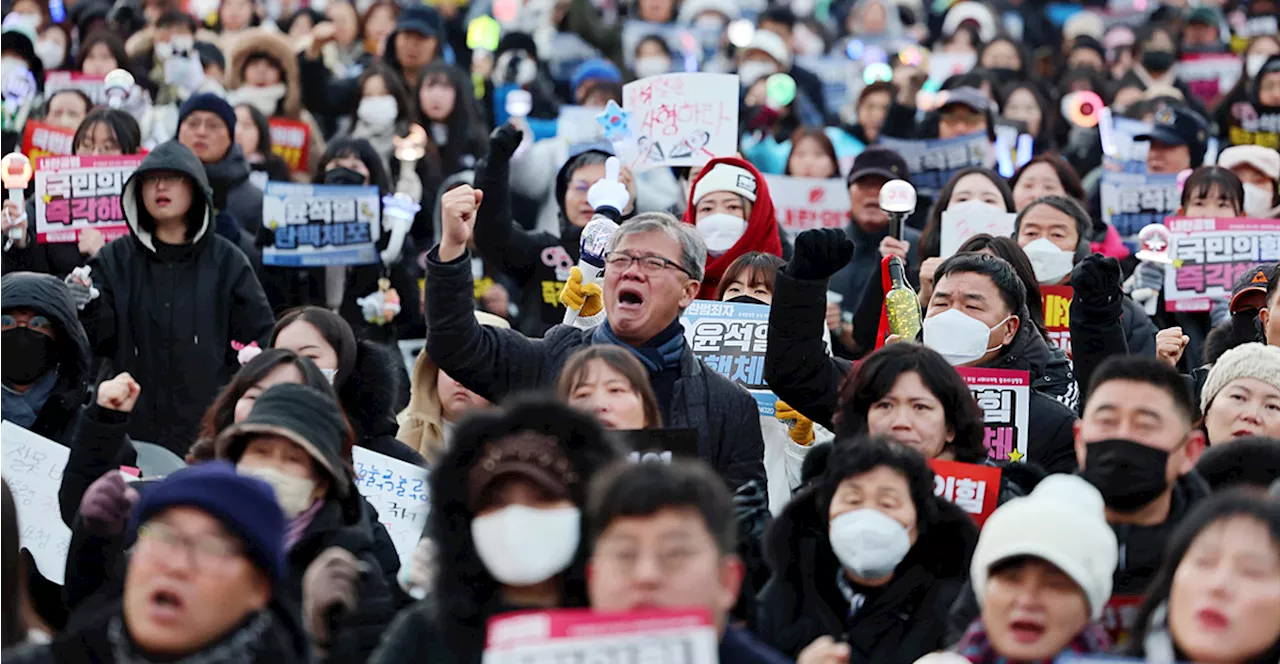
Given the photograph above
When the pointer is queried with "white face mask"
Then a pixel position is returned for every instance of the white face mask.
(959, 337)
(1253, 64)
(651, 65)
(1049, 262)
(293, 494)
(265, 98)
(868, 542)
(521, 546)
(721, 231)
(378, 112)
(1257, 201)
(329, 374)
(753, 70)
(51, 54)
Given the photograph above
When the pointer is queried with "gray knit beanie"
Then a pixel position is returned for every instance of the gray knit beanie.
(1251, 360)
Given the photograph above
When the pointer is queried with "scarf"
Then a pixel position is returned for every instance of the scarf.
(22, 408)
(294, 529)
(238, 647)
(661, 353)
(976, 647)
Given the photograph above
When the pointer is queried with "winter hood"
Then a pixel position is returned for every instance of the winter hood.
(276, 47)
(170, 156)
(49, 296)
(762, 227)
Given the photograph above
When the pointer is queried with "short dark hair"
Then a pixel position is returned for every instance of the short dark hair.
(175, 18)
(123, 126)
(336, 331)
(629, 489)
(1067, 175)
(1008, 249)
(778, 14)
(931, 236)
(1206, 178)
(1251, 462)
(853, 456)
(113, 43)
(1149, 370)
(1068, 206)
(84, 98)
(360, 149)
(760, 268)
(221, 413)
(998, 270)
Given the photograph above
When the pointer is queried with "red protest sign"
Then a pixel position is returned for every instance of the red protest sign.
(77, 193)
(973, 488)
(1119, 616)
(291, 140)
(1057, 315)
(1004, 395)
(805, 203)
(40, 139)
(686, 636)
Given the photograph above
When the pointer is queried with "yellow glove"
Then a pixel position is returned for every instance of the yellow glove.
(801, 427)
(588, 299)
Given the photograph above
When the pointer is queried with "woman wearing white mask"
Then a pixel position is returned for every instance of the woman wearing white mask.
(506, 503)
(382, 110)
(1258, 168)
(866, 562)
(263, 72)
(971, 186)
(729, 205)
(653, 57)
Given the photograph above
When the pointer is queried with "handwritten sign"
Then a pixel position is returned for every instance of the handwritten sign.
(321, 224)
(1130, 201)
(731, 338)
(291, 140)
(933, 162)
(92, 86)
(1250, 125)
(973, 488)
(1210, 254)
(76, 193)
(399, 492)
(679, 120)
(1057, 315)
(1004, 395)
(580, 635)
(965, 220)
(33, 468)
(802, 204)
(40, 139)
(1209, 75)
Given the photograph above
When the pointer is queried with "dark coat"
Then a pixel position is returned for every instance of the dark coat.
(57, 259)
(907, 620)
(233, 193)
(369, 398)
(168, 314)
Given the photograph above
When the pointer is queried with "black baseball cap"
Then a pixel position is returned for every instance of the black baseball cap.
(1250, 290)
(421, 19)
(878, 161)
(966, 96)
(1174, 125)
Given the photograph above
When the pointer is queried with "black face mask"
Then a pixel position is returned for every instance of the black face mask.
(28, 355)
(1157, 61)
(1004, 75)
(343, 175)
(1129, 475)
(747, 299)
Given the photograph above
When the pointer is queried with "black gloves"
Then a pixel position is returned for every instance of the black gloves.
(1096, 282)
(820, 253)
(503, 142)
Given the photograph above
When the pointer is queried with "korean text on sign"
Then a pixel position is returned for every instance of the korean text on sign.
(75, 193)
(932, 162)
(41, 140)
(1130, 201)
(1251, 125)
(33, 468)
(291, 140)
(398, 490)
(801, 204)
(679, 120)
(970, 487)
(684, 636)
(732, 338)
(1004, 396)
(1057, 315)
(965, 220)
(1209, 75)
(94, 87)
(321, 224)
(1210, 254)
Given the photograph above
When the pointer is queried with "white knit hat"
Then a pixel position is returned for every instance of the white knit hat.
(1251, 360)
(968, 10)
(726, 177)
(1263, 158)
(771, 45)
(1062, 522)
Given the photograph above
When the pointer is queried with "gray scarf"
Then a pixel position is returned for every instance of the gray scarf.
(240, 647)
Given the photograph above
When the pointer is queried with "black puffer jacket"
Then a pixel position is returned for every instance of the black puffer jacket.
(233, 193)
(167, 314)
(905, 621)
(369, 398)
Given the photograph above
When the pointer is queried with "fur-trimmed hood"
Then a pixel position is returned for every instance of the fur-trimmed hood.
(276, 47)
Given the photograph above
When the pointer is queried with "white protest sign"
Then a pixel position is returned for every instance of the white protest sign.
(77, 193)
(398, 490)
(580, 635)
(1004, 395)
(321, 224)
(731, 338)
(33, 468)
(801, 204)
(677, 120)
(965, 220)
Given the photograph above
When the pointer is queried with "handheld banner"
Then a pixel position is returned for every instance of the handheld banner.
(1209, 75)
(399, 492)
(1131, 201)
(932, 162)
(1250, 125)
(1004, 395)
(291, 140)
(732, 338)
(965, 220)
(33, 468)
(77, 193)
(321, 224)
(677, 120)
(973, 488)
(1210, 254)
(686, 636)
(1057, 315)
(94, 87)
(801, 204)
(40, 139)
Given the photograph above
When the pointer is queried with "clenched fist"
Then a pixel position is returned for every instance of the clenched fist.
(458, 208)
(1170, 343)
(119, 393)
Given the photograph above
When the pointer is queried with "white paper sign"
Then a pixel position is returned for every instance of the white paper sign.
(804, 203)
(965, 220)
(579, 635)
(398, 490)
(33, 468)
(677, 120)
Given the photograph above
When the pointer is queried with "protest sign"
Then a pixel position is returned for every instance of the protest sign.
(685, 636)
(40, 139)
(1209, 75)
(291, 140)
(732, 338)
(399, 491)
(678, 120)
(1057, 315)
(1004, 395)
(321, 224)
(1120, 151)
(1130, 201)
(1119, 617)
(660, 444)
(1210, 254)
(801, 204)
(92, 86)
(932, 162)
(77, 193)
(965, 220)
(1251, 125)
(973, 488)
(33, 468)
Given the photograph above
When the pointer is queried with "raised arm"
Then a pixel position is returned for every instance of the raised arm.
(498, 240)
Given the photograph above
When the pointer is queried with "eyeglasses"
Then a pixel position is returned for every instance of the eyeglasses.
(204, 552)
(624, 558)
(619, 262)
(37, 323)
(168, 179)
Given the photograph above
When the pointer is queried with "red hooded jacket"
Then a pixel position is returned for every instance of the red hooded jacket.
(762, 228)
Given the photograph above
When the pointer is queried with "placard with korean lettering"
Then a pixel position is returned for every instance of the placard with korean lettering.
(732, 338)
(801, 204)
(1130, 201)
(932, 162)
(1004, 395)
(94, 87)
(1056, 301)
(1209, 254)
(41, 139)
(33, 468)
(321, 224)
(1209, 75)
(76, 193)
(973, 488)
(676, 120)
(964, 220)
(1249, 124)
(655, 636)
(399, 492)
(291, 140)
